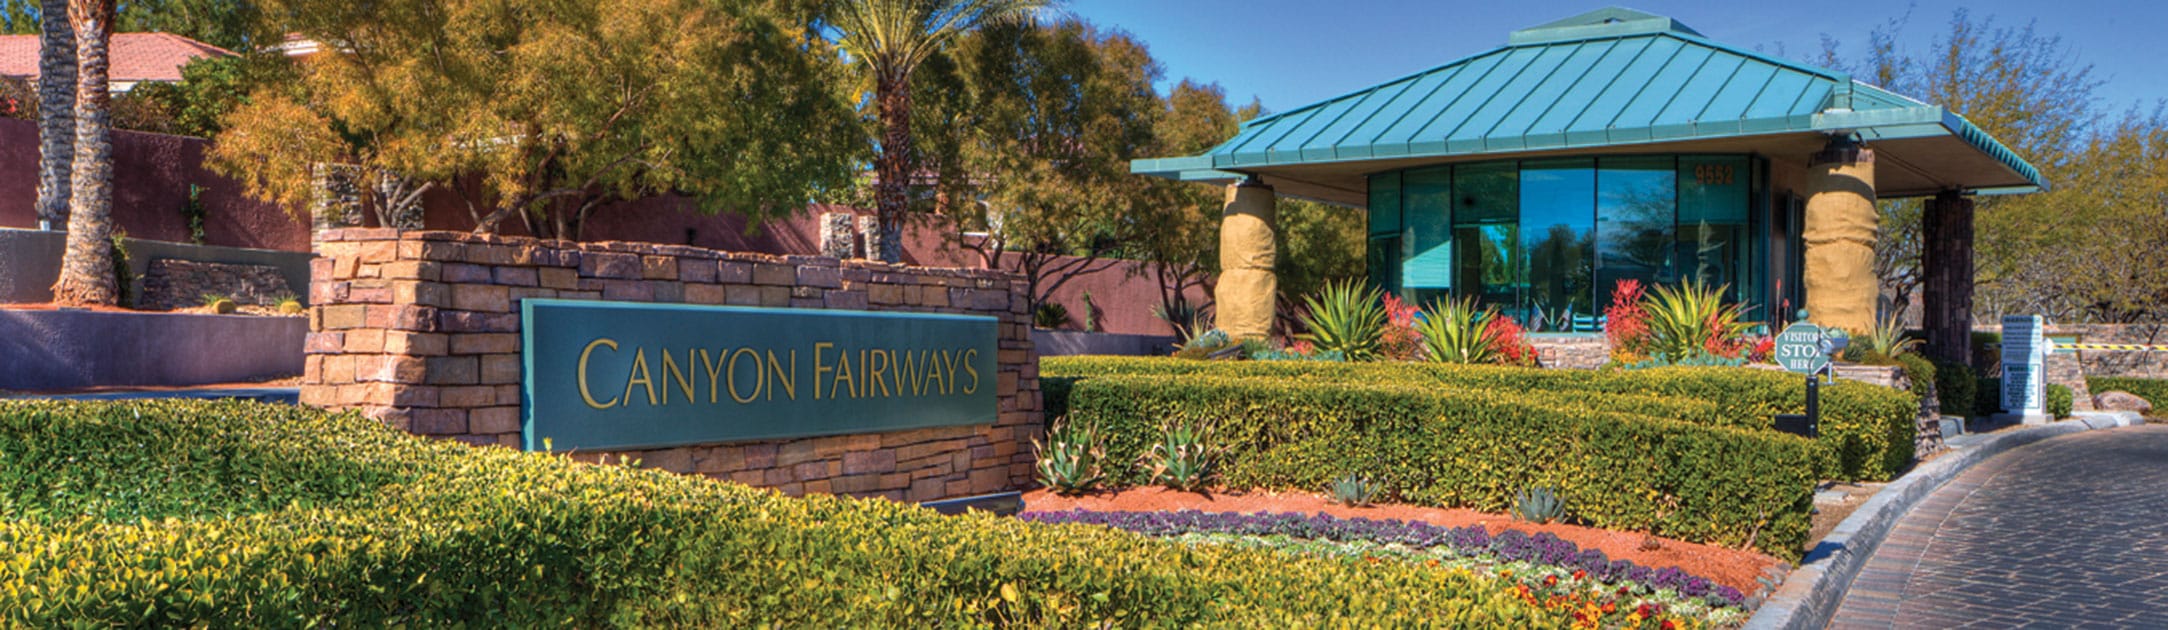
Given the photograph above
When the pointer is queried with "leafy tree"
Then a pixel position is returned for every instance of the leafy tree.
(1179, 232)
(2026, 89)
(547, 112)
(86, 267)
(889, 39)
(209, 89)
(1056, 113)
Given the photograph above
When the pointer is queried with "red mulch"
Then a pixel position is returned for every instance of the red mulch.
(1730, 567)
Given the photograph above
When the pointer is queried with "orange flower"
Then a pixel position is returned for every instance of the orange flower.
(1579, 575)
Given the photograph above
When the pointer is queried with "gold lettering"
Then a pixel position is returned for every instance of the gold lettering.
(951, 358)
(684, 380)
(874, 370)
(843, 375)
(968, 354)
(714, 369)
(941, 362)
(788, 379)
(759, 377)
(819, 368)
(907, 373)
(640, 375)
(585, 393)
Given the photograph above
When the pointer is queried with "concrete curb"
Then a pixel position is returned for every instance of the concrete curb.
(1812, 592)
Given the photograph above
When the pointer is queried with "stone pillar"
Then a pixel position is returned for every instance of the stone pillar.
(1946, 270)
(1247, 287)
(1841, 227)
(838, 240)
(337, 202)
(869, 229)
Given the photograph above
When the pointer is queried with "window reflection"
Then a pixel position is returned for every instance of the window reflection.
(1546, 241)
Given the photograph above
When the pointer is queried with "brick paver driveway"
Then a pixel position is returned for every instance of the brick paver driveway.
(2067, 532)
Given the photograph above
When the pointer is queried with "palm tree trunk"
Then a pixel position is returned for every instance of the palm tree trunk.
(56, 113)
(893, 166)
(86, 270)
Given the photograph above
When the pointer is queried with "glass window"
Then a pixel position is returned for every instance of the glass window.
(1713, 242)
(1636, 217)
(1558, 234)
(1486, 233)
(1385, 203)
(1383, 262)
(1427, 269)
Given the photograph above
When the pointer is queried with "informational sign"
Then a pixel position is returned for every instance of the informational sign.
(1799, 348)
(2024, 365)
(624, 375)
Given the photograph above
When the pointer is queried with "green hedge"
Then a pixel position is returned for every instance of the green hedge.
(1869, 429)
(2060, 401)
(196, 514)
(1957, 387)
(2153, 390)
(1476, 448)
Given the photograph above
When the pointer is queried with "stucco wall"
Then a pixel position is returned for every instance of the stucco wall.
(43, 349)
(151, 174)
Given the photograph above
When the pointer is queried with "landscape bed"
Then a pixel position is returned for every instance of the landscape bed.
(175, 513)
(1684, 453)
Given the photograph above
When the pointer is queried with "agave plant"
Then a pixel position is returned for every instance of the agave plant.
(1069, 461)
(1691, 318)
(1347, 317)
(1185, 457)
(1887, 338)
(1538, 505)
(1355, 490)
(1454, 331)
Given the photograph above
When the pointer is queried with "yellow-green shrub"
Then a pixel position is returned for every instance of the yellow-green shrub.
(1475, 448)
(1868, 429)
(199, 514)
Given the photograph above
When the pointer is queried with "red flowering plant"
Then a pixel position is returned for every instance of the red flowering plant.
(1509, 341)
(1400, 341)
(1626, 324)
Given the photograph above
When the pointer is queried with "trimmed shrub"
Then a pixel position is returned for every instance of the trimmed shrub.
(2153, 390)
(2060, 401)
(1868, 429)
(1990, 401)
(1475, 448)
(1958, 388)
(202, 514)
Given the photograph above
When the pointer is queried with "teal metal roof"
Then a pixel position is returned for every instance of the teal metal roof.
(1607, 78)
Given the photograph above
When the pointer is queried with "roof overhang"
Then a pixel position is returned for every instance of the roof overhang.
(1919, 152)
(1611, 81)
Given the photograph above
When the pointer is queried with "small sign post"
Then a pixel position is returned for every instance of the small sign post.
(2024, 368)
(1804, 348)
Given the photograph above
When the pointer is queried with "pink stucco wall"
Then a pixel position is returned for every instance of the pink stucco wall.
(151, 174)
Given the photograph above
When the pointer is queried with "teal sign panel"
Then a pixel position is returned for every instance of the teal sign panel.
(1799, 348)
(622, 375)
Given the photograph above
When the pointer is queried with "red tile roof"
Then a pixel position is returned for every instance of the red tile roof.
(136, 56)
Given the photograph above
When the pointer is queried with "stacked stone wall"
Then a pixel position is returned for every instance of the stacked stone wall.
(421, 330)
(174, 283)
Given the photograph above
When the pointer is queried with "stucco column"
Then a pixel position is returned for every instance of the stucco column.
(1247, 286)
(1841, 227)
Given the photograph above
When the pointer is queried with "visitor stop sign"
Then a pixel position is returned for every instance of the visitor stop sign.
(1799, 348)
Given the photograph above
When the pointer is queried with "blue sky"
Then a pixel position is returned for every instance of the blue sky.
(1291, 53)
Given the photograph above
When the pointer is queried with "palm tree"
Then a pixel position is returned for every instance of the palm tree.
(890, 38)
(86, 270)
(56, 112)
